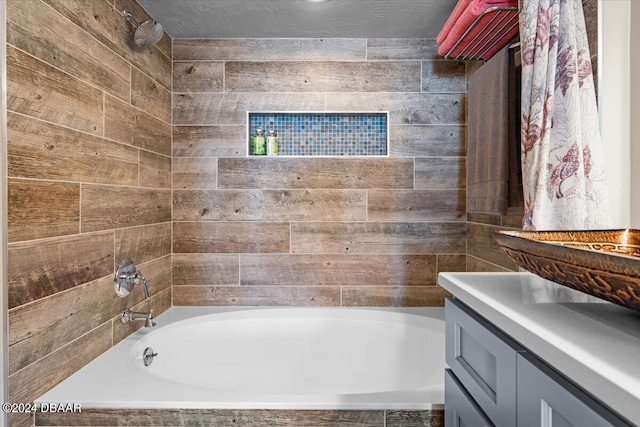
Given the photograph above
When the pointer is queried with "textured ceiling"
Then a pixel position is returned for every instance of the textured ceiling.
(300, 18)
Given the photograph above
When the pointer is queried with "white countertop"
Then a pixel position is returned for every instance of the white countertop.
(593, 342)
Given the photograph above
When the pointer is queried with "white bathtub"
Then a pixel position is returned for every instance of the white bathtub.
(271, 358)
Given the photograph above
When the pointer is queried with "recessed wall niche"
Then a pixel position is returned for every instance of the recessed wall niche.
(322, 133)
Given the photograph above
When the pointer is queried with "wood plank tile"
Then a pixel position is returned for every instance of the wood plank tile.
(444, 76)
(402, 418)
(476, 264)
(269, 205)
(337, 270)
(481, 243)
(105, 22)
(427, 141)
(209, 141)
(205, 269)
(69, 315)
(322, 76)
(43, 267)
(484, 218)
(127, 124)
(441, 173)
(315, 173)
(37, 89)
(452, 263)
(38, 209)
(399, 296)
(142, 244)
(416, 205)
(219, 417)
(404, 108)
(158, 275)
(328, 49)
(28, 384)
(590, 8)
(155, 170)
(378, 237)
(513, 218)
(106, 207)
(200, 76)
(230, 237)
(45, 151)
(402, 48)
(195, 173)
(158, 304)
(42, 32)
(257, 295)
(231, 108)
(150, 96)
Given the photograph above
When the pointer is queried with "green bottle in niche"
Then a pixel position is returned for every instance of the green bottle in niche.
(272, 143)
(259, 142)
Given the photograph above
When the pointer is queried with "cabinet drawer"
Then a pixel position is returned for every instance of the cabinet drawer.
(546, 399)
(459, 409)
(484, 360)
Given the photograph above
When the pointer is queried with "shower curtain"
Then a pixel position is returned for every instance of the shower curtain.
(564, 179)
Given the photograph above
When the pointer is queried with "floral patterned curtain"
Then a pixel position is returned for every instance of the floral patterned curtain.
(562, 160)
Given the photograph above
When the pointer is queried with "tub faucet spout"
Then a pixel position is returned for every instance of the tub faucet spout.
(129, 316)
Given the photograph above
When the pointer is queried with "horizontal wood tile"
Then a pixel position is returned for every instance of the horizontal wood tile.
(195, 173)
(42, 32)
(441, 173)
(231, 108)
(155, 170)
(43, 267)
(37, 89)
(328, 49)
(29, 383)
(106, 207)
(404, 108)
(399, 296)
(315, 173)
(39, 209)
(416, 205)
(402, 48)
(142, 244)
(219, 417)
(200, 76)
(230, 237)
(322, 76)
(157, 304)
(257, 295)
(158, 275)
(106, 24)
(269, 205)
(427, 141)
(481, 243)
(127, 124)
(447, 263)
(69, 315)
(476, 264)
(337, 270)
(444, 76)
(205, 269)
(150, 96)
(210, 141)
(489, 219)
(378, 237)
(420, 418)
(42, 150)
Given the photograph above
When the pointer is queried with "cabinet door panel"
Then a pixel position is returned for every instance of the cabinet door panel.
(459, 408)
(546, 399)
(484, 360)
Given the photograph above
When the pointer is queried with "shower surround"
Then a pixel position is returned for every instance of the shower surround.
(103, 167)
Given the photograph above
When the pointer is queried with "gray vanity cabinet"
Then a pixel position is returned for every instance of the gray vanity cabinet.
(493, 381)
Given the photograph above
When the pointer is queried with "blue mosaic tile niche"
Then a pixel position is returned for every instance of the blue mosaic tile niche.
(324, 134)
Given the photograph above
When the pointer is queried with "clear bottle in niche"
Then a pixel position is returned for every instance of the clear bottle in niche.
(259, 142)
(272, 143)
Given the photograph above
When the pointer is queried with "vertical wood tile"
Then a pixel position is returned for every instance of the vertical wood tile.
(210, 141)
(150, 96)
(195, 173)
(39, 209)
(38, 90)
(205, 269)
(230, 237)
(40, 268)
(199, 76)
(441, 173)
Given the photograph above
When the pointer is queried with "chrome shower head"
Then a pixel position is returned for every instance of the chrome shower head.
(147, 33)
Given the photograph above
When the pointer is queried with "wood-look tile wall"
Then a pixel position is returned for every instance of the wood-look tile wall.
(483, 253)
(89, 177)
(316, 231)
